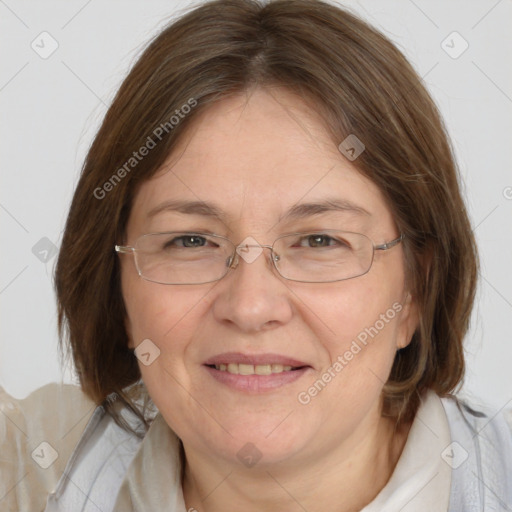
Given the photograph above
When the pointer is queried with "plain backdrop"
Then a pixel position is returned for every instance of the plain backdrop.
(51, 104)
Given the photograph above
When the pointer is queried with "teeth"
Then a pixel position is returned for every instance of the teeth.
(251, 369)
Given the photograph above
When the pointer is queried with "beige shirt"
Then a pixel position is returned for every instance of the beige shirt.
(38, 434)
(37, 437)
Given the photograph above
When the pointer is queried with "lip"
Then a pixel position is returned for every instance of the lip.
(255, 359)
(255, 384)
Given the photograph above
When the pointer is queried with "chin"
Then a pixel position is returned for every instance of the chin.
(262, 447)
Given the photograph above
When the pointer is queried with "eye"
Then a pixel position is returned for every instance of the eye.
(186, 241)
(320, 240)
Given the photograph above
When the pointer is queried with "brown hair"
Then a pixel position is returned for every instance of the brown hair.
(362, 85)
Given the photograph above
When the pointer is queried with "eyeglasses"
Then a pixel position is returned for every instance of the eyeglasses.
(182, 257)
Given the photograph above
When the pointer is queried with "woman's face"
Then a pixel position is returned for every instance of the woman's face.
(255, 157)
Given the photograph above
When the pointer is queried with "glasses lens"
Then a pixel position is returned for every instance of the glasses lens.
(182, 257)
(323, 256)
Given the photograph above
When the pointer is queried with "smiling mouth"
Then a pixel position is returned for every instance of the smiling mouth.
(251, 369)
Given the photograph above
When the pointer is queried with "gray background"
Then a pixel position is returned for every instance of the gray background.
(51, 107)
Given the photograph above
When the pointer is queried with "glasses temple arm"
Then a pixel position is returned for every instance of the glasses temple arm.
(388, 245)
(124, 249)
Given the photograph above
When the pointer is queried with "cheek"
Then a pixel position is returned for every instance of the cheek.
(358, 329)
(159, 311)
(358, 325)
(168, 317)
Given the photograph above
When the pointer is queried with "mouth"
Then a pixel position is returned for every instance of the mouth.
(255, 373)
(251, 369)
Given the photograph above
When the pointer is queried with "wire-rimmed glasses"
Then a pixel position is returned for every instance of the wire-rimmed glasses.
(184, 257)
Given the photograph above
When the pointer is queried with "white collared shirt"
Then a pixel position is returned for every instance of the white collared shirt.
(422, 477)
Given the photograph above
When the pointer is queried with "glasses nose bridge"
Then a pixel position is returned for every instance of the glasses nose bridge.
(234, 259)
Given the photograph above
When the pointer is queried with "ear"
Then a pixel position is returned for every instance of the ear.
(410, 314)
(409, 321)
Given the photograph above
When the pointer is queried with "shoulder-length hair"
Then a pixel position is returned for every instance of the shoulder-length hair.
(361, 84)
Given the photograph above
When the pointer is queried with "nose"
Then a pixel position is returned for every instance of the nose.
(252, 296)
(249, 253)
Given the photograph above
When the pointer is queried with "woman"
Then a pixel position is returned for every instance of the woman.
(265, 281)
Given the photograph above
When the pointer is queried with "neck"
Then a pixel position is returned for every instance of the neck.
(344, 479)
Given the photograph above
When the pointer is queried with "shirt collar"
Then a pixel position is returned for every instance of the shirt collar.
(421, 480)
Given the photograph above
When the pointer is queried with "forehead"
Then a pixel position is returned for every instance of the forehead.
(253, 134)
(258, 155)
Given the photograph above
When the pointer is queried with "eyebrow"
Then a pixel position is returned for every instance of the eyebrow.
(296, 212)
